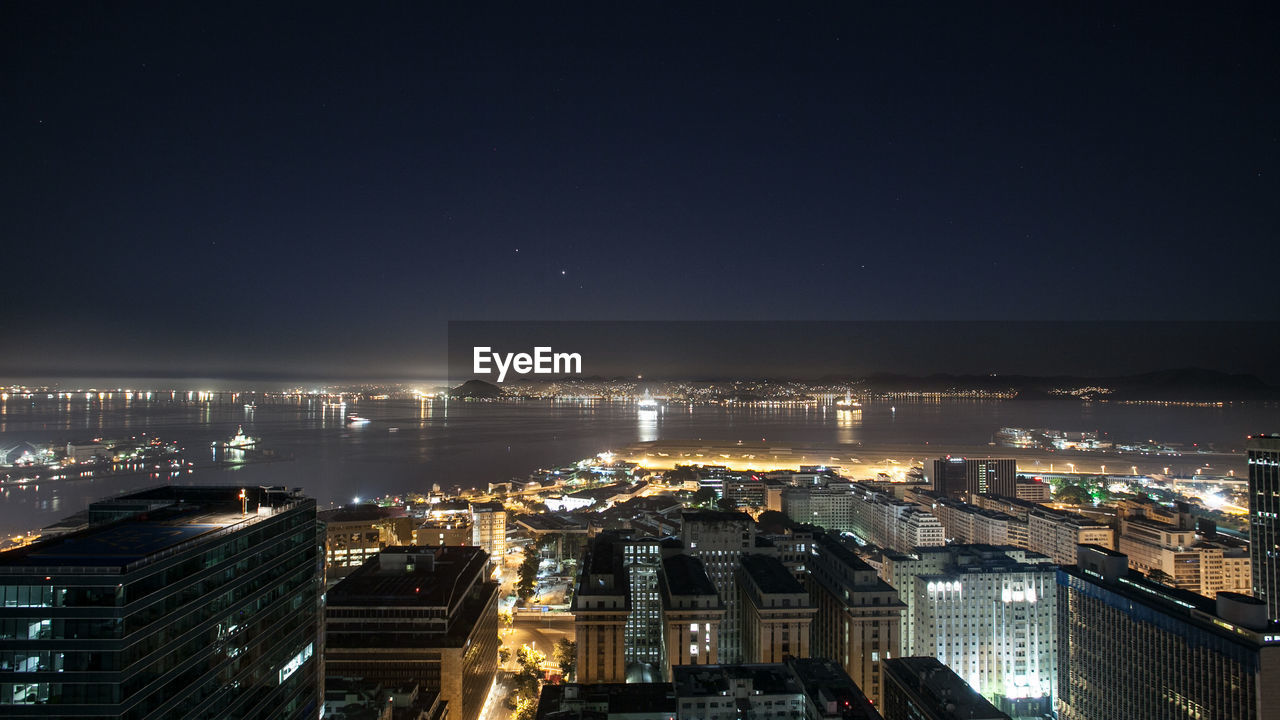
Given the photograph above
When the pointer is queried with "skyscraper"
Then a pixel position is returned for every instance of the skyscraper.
(950, 476)
(194, 602)
(719, 539)
(1264, 519)
(1135, 649)
(489, 530)
(989, 476)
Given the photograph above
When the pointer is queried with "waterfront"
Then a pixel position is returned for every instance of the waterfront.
(411, 445)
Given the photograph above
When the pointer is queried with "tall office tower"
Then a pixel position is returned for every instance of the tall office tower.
(921, 688)
(990, 614)
(950, 476)
(1131, 648)
(776, 612)
(859, 615)
(692, 613)
(642, 558)
(424, 615)
(600, 608)
(1264, 519)
(489, 530)
(194, 602)
(719, 539)
(992, 477)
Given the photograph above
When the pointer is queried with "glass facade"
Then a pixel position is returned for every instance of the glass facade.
(202, 628)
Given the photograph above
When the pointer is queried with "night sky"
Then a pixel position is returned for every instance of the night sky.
(314, 189)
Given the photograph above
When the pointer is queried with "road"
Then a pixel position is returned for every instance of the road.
(540, 633)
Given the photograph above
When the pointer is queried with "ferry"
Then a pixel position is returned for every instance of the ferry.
(354, 419)
(647, 402)
(849, 402)
(240, 441)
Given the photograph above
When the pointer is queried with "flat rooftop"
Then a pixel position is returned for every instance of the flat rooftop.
(938, 686)
(770, 575)
(687, 576)
(162, 518)
(704, 680)
(830, 688)
(440, 582)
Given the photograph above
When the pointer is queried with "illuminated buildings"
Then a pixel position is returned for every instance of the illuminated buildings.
(355, 534)
(830, 507)
(418, 615)
(1131, 648)
(987, 476)
(988, 613)
(489, 530)
(172, 602)
(719, 539)
(859, 616)
(1200, 565)
(600, 608)
(776, 612)
(445, 531)
(642, 558)
(1264, 519)
(921, 688)
(1056, 534)
(692, 615)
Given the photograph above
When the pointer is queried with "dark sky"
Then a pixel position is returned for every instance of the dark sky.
(315, 189)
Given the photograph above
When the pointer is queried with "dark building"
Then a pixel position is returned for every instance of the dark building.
(424, 615)
(950, 476)
(1264, 519)
(602, 701)
(831, 694)
(992, 477)
(922, 688)
(192, 602)
(1136, 649)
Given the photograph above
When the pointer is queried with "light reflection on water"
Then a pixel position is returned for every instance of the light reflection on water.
(463, 444)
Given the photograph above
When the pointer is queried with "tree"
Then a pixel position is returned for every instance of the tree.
(726, 504)
(528, 575)
(772, 521)
(1073, 495)
(704, 496)
(1160, 576)
(504, 655)
(566, 656)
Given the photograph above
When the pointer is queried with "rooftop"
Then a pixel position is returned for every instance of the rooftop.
(940, 689)
(137, 526)
(832, 691)
(765, 679)
(687, 576)
(407, 575)
(770, 575)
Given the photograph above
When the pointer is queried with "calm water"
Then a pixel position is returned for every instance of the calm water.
(471, 444)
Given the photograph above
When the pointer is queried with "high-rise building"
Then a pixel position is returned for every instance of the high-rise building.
(858, 623)
(830, 507)
(489, 530)
(193, 602)
(1056, 534)
(990, 614)
(642, 557)
(776, 612)
(356, 533)
(950, 476)
(922, 688)
(719, 539)
(601, 604)
(418, 615)
(1135, 649)
(1264, 519)
(992, 476)
(1192, 563)
(692, 613)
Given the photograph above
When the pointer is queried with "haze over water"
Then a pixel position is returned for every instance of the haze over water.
(470, 444)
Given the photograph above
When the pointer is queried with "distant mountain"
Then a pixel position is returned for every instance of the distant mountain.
(476, 389)
(1181, 384)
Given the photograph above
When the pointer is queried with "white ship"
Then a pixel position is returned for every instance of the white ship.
(848, 402)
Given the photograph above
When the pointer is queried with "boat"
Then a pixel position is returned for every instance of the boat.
(848, 402)
(647, 402)
(240, 441)
(354, 419)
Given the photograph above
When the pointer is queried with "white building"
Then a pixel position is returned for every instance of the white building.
(987, 612)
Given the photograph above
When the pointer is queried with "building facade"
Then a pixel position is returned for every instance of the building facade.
(719, 540)
(1131, 648)
(194, 602)
(776, 612)
(1264, 520)
(418, 615)
(601, 605)
(489, 530)
(922, 688)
